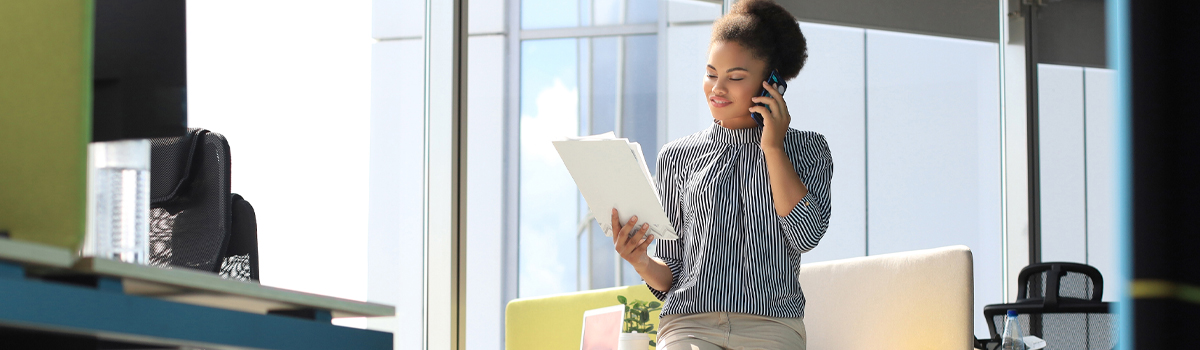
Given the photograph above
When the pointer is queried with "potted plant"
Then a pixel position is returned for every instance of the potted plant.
(637, 316)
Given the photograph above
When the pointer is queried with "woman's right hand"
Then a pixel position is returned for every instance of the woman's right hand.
(629, 243)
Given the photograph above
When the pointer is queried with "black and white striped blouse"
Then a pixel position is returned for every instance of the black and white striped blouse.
(734, 252)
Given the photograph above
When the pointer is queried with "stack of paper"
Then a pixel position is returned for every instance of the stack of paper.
(611, 173)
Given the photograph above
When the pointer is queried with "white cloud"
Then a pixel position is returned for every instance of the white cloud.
(549, 213)
(557, 117)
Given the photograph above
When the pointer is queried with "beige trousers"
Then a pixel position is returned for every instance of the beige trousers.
(730, 331)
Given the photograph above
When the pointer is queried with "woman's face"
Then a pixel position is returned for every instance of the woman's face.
(733, 77)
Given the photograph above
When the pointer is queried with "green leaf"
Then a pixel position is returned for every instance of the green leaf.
(652, 332)
(621, 298)
(643, 316)
(654, 304)
(653, 344)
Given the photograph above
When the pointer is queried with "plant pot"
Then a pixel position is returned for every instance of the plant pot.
(633, 341)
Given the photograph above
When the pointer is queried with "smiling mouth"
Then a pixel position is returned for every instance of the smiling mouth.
(717, 103)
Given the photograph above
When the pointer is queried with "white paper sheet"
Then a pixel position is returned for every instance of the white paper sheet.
(611, 172)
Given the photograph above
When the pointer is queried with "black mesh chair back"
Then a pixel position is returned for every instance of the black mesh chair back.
(1059, 302)
(192, 209)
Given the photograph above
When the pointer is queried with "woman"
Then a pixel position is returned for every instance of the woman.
(745, 200)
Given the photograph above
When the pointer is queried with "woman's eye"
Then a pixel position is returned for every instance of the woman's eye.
(736, 79)
(710, 75)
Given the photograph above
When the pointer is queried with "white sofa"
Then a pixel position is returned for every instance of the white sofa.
(910, 300)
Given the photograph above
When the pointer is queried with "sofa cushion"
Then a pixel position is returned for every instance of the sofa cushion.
(910, 300)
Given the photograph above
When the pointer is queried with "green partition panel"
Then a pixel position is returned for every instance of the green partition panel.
(45, 118)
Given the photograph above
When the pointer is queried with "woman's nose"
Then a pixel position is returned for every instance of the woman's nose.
(718, 88)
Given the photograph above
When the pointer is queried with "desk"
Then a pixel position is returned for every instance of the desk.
(49, 291)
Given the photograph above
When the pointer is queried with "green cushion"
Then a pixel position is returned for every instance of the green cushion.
(556, 322)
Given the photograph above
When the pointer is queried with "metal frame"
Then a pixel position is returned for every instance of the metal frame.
(587, 32)
(584, 49)
(663, 77)
(512, 156)
(1030, 11)
(619, 126)
(445, 164)
(1002, 44)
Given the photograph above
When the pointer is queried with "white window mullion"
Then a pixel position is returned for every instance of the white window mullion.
(445, 155)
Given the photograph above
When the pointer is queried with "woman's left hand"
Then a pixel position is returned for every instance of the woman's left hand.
(775, 120)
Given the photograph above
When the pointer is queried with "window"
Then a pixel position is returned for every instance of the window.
(577, 86)
(913, 122)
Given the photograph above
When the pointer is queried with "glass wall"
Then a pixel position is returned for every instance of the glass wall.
(913, 122)
(924, 131)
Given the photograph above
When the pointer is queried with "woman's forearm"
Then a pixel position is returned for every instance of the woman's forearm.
(656, 273)
(786, 188)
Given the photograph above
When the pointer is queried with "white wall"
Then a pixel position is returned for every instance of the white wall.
(485, 164)
(829, 97)
(397, 18)
(394, 255)
(687, 52)
(1077, 150)
(933, 151)
(1016, 168)
(288, 84)
(1102, 186)
(683, 11)
(1061, 159)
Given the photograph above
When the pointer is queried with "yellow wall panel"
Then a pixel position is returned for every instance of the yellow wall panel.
(45, 118)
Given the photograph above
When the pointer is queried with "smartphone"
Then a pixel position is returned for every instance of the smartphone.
(774, 80)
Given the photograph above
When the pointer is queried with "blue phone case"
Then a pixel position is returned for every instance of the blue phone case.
(774, 80)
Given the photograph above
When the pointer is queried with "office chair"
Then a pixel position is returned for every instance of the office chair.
(195, 222)
(1060, 303)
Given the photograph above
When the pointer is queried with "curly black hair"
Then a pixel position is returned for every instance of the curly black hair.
(768, 31)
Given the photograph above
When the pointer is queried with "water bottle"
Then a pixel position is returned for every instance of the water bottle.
(1012, 340)
(118, 201)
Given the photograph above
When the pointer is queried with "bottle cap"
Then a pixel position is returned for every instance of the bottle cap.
(1012, 313)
